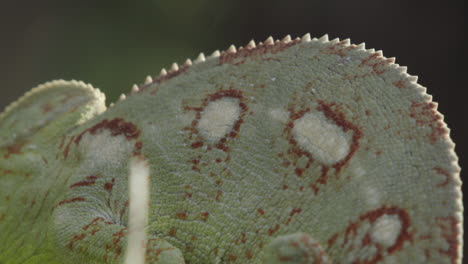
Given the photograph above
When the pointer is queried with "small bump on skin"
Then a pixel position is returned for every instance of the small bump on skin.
(386, 230)
(218, 118)
(310, 131)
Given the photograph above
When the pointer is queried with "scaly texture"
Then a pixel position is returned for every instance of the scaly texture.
(286, 151)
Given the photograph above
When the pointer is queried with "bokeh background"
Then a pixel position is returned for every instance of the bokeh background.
(113, 44)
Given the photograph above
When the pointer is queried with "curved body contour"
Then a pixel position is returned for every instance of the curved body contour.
(294, 151)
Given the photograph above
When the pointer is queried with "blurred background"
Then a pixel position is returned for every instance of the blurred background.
(113, 44)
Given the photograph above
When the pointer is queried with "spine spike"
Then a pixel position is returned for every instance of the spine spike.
(306, 38)
(163, 72)
(148, 79)
(361, 46)
(135, 89)
(324, 38)
(174, 67)
(216, 54)
(122, 97)
(403, 69)
(413, 79)
(231, 49)
(335, 40)
(251, 44)
(200, 58)
(391, 60)
(270, 41)
(346, 41)
(188, 62)
(286, 39)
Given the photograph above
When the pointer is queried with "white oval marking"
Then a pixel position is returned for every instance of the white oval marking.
(323, 139)
(218, 118)
(386, 230)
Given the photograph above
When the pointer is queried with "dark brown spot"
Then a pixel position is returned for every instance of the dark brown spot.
(261, 211)
(271, 231)
(182, 215)
(204, 216)
(108, 186)
(116, 127)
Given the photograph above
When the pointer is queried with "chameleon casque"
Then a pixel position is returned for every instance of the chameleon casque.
(288, 151)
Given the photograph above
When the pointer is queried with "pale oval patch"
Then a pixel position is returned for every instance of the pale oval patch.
(218, 118)
(386, 230)
(103, 148)
(279, 115)
(324, 140)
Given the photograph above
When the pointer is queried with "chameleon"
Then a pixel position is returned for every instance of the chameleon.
(304, 150)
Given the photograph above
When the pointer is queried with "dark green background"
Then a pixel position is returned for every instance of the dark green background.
(113, 44)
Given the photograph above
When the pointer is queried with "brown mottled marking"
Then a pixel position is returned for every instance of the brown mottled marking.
(339, 119)
(261, 211)
(204, 216)
(273, 230)
(371, 217)
(67, 201)
(153, 254)
(90, 180)
(377, 62)
(46, 108)
(449, 227)
(445, 174)
(137, 148)
(172, 232)
(15, 149)
(249, 254)
(93, 225)
(221, 143)
(108, 186)
(182, 215)
(67, 147)
(425, 114)
(75, 239)
(188, 194)
(339, 48)
(259, 50)
(116, 126)
(400, 84)
(219, 193)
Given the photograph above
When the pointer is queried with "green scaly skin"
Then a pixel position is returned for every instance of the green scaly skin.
(294, 151)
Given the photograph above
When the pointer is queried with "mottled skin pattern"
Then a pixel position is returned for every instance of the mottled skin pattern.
(291, 151)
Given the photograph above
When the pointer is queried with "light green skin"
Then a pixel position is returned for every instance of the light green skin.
(236, 210)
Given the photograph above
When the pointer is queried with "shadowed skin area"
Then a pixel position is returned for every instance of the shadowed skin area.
(289, 151)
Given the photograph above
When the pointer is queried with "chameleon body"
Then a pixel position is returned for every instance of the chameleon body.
(289, 151)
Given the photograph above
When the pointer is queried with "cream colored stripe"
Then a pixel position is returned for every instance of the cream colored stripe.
(139, 191)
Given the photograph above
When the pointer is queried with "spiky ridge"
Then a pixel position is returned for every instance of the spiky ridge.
(50, 85)
(269, 42)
